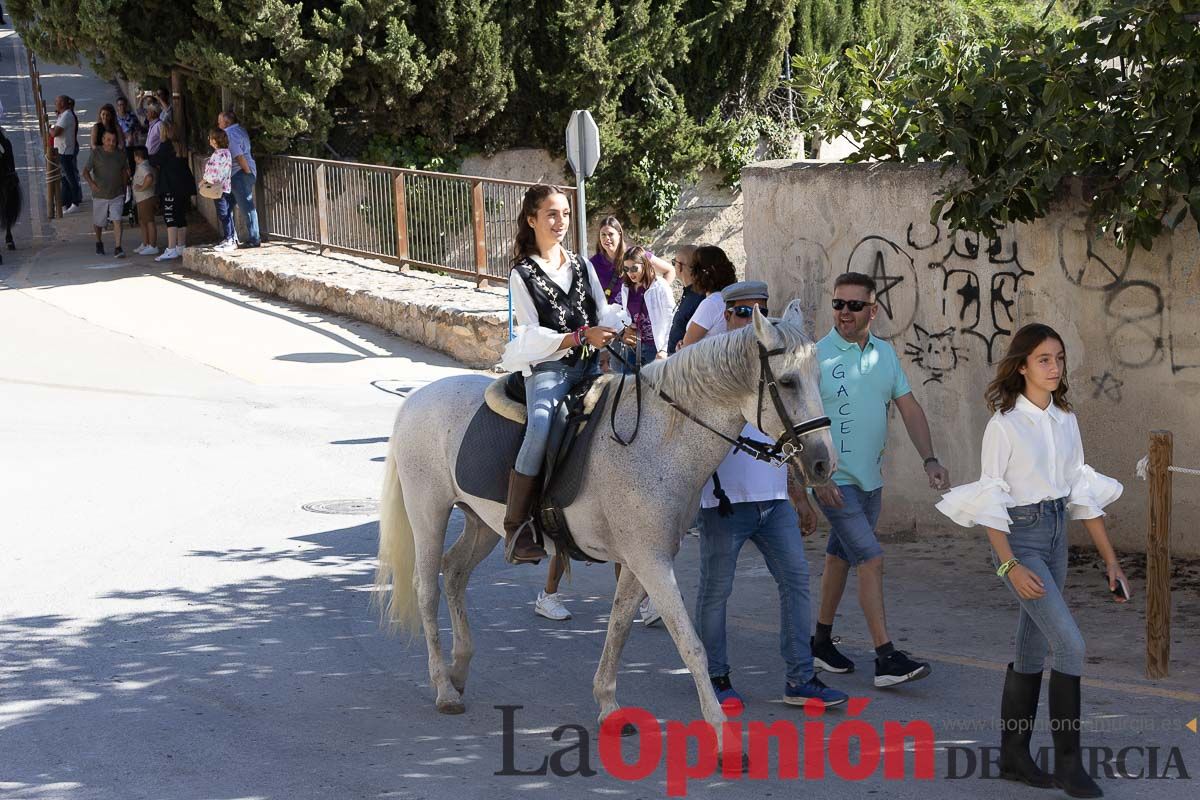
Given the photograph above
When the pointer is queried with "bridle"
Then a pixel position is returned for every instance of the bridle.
(782, 451)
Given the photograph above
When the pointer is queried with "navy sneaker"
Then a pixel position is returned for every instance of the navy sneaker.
(827, 658)
(795, 695)
(898, 668)
(725, 691)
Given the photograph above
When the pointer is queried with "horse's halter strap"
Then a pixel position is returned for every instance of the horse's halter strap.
(788, 444)
(785, 448)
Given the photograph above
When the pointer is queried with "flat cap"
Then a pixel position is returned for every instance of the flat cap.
(745, 290)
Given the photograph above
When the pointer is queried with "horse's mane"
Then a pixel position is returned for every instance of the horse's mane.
(720, 367)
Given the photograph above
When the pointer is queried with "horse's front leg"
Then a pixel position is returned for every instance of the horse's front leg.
(625, 602)
(657, 576)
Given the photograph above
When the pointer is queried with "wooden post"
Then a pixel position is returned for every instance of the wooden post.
(177, 107)
(1158, 558)
(477, 217)
(400, 200)
(322, 211)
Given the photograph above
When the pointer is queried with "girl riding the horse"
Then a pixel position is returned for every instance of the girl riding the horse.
(561, 319)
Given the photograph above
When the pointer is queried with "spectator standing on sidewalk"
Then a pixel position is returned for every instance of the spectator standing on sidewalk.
(154, 137)
(131, 127)
(860, 378)
(146, 198)
(106, 122)
(218, 171)
(245, 171)
(66, 142)
(107, 172)
(689, 301)
(176, 185)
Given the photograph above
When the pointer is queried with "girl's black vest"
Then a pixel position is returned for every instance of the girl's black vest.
(558, 310)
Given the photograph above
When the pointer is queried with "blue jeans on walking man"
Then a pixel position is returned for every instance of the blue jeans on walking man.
(243, 194)
(774, 528)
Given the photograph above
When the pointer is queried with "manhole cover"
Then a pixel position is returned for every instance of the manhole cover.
(365, 507)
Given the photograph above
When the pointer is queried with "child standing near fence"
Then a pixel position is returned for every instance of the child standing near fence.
(1033, 477)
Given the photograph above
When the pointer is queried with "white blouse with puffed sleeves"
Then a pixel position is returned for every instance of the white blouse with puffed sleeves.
(1030, 455)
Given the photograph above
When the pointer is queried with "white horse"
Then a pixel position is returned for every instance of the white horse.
(720, 381)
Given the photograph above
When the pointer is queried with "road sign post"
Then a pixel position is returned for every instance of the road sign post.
(583, 154)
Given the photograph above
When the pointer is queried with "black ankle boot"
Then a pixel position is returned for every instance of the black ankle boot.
(1018, 710)
(1069, 772)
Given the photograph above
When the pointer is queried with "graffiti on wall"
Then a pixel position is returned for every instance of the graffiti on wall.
(979, 288)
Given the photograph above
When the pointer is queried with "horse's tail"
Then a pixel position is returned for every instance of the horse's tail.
(397, 554)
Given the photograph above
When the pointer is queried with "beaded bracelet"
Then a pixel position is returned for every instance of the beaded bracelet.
(1007, 566)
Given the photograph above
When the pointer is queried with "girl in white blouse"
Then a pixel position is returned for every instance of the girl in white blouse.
(561, 320)
(1033, 477)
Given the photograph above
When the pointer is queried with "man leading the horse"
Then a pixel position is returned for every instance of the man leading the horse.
(561, 319)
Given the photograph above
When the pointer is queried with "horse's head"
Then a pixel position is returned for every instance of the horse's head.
(785, 400)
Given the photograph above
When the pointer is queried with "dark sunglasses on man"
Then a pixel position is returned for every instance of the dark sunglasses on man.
(854, 305)
(745, 312)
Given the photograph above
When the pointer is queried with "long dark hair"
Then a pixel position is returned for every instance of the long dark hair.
(619, 254)
(637, 253)
(526, 242)
(712, 270)
(1002, 393)
(100, 118)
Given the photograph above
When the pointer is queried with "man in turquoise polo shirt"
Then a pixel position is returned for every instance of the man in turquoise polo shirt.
(860, 377)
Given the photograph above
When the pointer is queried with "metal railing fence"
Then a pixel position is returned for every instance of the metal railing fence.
(459, 224)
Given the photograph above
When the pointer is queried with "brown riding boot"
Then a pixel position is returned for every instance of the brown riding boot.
(519, 546)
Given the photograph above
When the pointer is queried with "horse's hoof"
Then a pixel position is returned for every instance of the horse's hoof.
(628, 729)
(451, 707)
(745, 763)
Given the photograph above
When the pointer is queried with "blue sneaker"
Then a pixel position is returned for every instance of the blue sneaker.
(795, 695)
(725, 691)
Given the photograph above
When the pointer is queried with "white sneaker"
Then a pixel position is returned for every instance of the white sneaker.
(168, 254)
(226, 246)
(650, 615)
(71, 209)
(551, 606)
(148, 250)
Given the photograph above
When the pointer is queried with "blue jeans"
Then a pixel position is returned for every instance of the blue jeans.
(1038, 537)
(775, 529)
(224, 205)
(243, 194)
(71, 192)
(544, 389)
(852, 527)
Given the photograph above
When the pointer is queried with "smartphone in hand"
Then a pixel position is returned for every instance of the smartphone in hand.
(1122, 590)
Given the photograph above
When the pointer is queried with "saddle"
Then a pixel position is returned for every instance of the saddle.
(493, 439)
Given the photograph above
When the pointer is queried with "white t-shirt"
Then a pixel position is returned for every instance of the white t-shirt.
(746, 479)
(710, 315)
(139, 175)
(65, 143)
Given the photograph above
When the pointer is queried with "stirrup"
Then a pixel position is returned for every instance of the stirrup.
(510, 545)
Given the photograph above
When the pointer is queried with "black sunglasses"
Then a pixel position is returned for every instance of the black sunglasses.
(628, 269)
(853, 305)
(745, 312)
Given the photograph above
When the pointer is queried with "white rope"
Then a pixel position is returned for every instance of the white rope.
(1143, 469)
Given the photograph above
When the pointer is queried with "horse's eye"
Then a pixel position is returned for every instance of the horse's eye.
(787, 383)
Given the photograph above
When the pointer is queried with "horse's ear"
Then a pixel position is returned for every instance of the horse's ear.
(764, 331)
(794, 314)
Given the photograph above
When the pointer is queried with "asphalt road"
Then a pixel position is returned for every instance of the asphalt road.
(175, 624)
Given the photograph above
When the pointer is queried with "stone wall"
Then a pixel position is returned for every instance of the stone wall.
(445, 314)
(948, 304)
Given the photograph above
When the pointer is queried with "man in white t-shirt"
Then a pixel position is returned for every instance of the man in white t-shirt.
(66, 142)
(750, 500)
